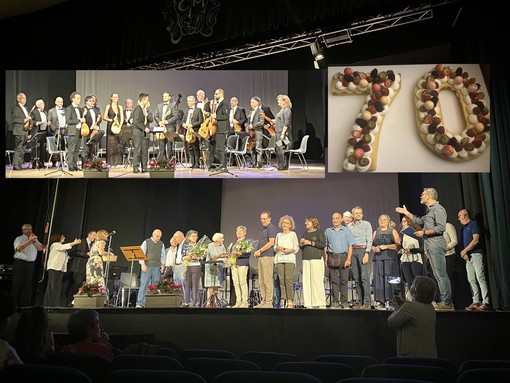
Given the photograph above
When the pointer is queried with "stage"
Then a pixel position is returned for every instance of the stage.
(460, 335)
(182, 170)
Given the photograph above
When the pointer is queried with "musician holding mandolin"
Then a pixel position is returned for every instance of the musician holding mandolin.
(20, 118)
(114, 117)
(167, 117)
(92, 117)
(193, 118)
(74, 121)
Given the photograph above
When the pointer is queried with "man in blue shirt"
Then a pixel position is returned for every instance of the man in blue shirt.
(339, 241)
(473, 255)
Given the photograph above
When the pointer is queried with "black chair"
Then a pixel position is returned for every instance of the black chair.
(140, 376)
(423, 361)
(208, 368)
(35, 373)
(482, 375)
(266, 360)
(145, 362)
(409, 371)
(94, 366)
(358, 362)
(327, 372)
(483, 363)
(264, 376)
(32, 357)
(205, 353)
(168, 352)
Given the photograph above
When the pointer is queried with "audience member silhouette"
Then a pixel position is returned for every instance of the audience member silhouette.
(8, 354)
(33, 334)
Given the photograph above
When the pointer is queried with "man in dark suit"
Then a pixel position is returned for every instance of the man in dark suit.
(166, 116)
(40, 125)
(77, 266)
(57, 125)
(74, 119)
(20, 116)
(220, 113)
(256, 123)
(193, 118)
(140, 129)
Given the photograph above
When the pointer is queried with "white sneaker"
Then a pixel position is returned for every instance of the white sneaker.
(139, 307)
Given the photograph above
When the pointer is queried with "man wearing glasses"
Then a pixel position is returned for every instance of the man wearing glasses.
(265, 256)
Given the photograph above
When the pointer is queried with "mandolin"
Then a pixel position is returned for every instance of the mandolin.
(115, 128)
(28, 123)
(269, 126)
(85, 129)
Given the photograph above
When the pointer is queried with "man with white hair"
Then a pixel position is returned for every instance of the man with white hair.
(433, 225)
(154, 249)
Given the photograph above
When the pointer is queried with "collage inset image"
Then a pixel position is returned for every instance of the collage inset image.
(408, 118)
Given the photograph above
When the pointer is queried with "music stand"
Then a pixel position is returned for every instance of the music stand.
(35, 138)
(132, 253)
(213, 300)
(94, 140)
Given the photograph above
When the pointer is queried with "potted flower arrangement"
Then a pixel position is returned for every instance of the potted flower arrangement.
(164, 294)
(96, 168)
(90, 295)
(161, 168)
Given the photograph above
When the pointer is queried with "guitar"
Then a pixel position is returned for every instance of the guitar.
(95, 128)
(269, 126)
(208, 127)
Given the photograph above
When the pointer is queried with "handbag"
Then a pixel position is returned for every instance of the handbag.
(334, 260)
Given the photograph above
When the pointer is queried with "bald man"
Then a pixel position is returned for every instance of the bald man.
(152, 268)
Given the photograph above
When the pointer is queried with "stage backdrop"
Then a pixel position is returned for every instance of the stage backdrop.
(244, 201)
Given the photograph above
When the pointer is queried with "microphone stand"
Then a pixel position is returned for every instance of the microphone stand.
(107, 268)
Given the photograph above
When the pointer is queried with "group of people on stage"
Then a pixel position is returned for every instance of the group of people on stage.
(398, 258)
(205, 125)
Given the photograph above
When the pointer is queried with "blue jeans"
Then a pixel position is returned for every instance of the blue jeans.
(476, 276)
(361, 274)
(438, 264)
(151, 276)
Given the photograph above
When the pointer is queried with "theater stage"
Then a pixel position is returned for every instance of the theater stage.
(460, 335)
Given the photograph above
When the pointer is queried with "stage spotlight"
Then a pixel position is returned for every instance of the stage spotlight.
(317, 52)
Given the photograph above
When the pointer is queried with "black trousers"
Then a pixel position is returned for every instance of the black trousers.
(22, 280)
(339, 277)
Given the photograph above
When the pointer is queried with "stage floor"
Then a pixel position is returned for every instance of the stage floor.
(296, 170)
(460, 335)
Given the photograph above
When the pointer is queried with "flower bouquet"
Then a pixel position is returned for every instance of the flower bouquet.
(165, 286)
(201, 248)
(91, 289)
(242, 247)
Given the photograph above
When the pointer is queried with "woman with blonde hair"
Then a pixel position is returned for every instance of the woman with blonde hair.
(286, 246)
(283, 129)
(95, 269)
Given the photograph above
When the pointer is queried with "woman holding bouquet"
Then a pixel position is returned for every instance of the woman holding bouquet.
(286, 246)
(215, 252)
(193, 270)
(240, 260)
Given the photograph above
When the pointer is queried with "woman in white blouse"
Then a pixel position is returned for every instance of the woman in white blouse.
(57, 266)
(286, 246)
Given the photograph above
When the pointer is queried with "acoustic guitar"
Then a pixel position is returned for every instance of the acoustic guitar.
(269, 126)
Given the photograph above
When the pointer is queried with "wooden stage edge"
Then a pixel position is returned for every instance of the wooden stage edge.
(460, 335)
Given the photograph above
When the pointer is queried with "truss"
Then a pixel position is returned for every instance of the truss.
(327, 39)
